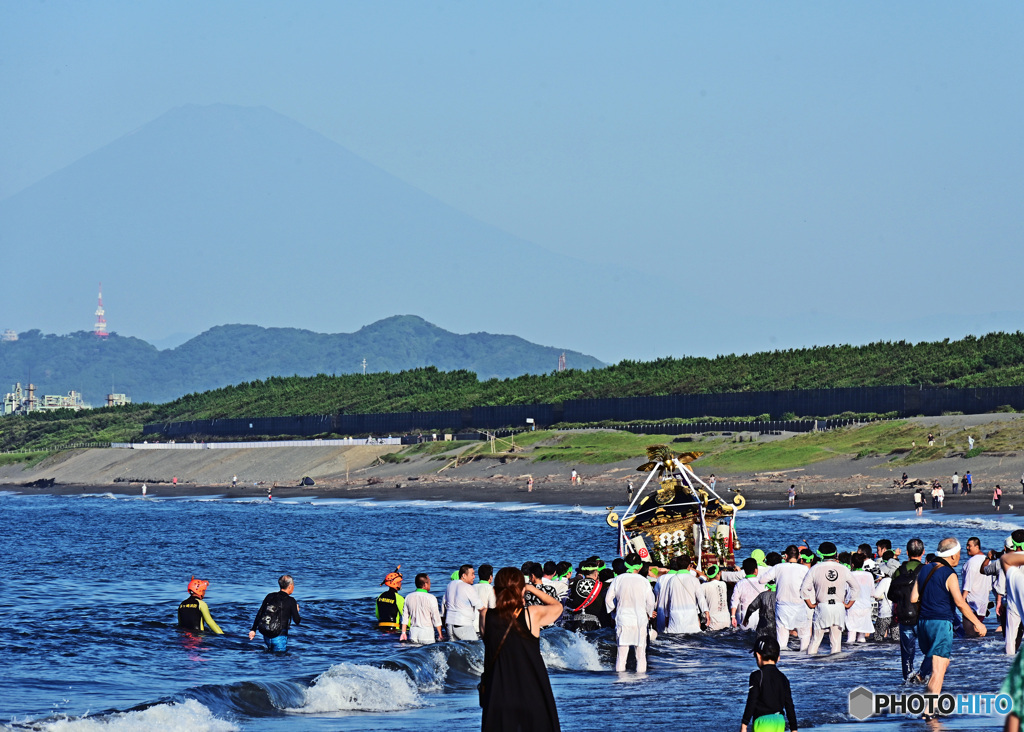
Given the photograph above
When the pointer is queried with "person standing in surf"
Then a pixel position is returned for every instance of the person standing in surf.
(515, 691)
(631, 599)
(276, 614)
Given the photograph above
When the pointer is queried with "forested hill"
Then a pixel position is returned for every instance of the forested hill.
(234, 354)
(992, 360)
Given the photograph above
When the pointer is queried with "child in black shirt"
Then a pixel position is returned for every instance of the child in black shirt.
(769, 693)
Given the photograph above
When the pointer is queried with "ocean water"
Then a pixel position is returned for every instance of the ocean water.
(93, 584)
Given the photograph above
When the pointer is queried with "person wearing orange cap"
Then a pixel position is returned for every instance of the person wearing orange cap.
(390, 604)
(193, 614)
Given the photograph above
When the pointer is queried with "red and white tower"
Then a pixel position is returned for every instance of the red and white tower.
(100, 329)
(561, 362)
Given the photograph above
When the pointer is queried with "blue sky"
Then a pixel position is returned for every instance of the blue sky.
(854, 168)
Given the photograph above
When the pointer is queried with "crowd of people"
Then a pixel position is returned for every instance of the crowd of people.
(789, 601)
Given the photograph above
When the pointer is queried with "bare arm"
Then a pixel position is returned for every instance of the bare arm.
(545, 614)
(1013, 559)
(958, 599)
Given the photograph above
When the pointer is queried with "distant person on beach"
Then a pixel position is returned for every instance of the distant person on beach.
(970, 442)
(276, 615)
(712, 481)
(143, 489)
(629, 489)
(956, 482)
(573, 477)
(234, 481)
(941, 495)
(938, 592)
(918, 500)
(389, 604)
(931, 440)
(768, 692)
(193, 613)
(421, 618)
(967, 482)
(997, 496)
(792, 495)
(935, 494)
(529, 484)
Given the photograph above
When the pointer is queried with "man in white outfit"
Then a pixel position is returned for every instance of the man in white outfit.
(975, 584)
(420, 614)
(631, 599)
(683, 601)
(716, 595)
(1012, 563)
(462, 606)
(828, 590)
(791, 612)
(744, 593)
(485, 592)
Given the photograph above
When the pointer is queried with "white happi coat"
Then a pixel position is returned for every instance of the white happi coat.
(716, 595)
(683, 601)
(858, 617)
(631, 599)
(791, 612)
(828, 584)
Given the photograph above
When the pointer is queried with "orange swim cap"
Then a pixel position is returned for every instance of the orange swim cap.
(198, 587)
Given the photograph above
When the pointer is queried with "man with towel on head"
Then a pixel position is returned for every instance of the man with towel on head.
(938, 592)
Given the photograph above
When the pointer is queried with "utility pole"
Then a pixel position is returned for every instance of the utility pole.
(364, 367)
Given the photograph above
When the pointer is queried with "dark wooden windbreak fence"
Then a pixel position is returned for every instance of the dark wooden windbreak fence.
(905, 401)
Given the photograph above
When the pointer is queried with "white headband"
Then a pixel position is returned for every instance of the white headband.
(949, 552)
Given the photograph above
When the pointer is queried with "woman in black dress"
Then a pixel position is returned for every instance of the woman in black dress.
(516, 692)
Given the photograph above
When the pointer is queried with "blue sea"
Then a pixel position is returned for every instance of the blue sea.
(93, 583)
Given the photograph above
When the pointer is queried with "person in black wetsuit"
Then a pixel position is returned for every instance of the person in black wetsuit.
(193, 613)
(389, 604)
(276, 614)
(769, 694)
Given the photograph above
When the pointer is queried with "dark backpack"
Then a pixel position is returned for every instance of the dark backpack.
(899, 592)
(270, 622)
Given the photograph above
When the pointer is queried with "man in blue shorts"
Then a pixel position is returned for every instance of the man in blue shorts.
(938, 591)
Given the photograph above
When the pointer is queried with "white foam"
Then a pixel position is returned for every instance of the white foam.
(569, 651)
(187, 716)
(354, 687)
(963, 522)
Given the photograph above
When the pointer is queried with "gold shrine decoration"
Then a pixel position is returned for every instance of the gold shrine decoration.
(662, 454)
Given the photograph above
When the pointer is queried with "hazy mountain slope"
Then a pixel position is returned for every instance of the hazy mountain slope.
(229, 214)
(231, 354)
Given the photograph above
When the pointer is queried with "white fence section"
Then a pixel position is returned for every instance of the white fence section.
(348, 441)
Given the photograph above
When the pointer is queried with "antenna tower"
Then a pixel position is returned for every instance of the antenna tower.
(100, 329)
(561, 362)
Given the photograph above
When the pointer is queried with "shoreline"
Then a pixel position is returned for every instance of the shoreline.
(877, 500)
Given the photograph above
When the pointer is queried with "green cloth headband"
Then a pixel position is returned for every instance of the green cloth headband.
(712, 571)
(634, 567)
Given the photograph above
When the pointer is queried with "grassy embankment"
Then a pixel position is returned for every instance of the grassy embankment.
(895, 439)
